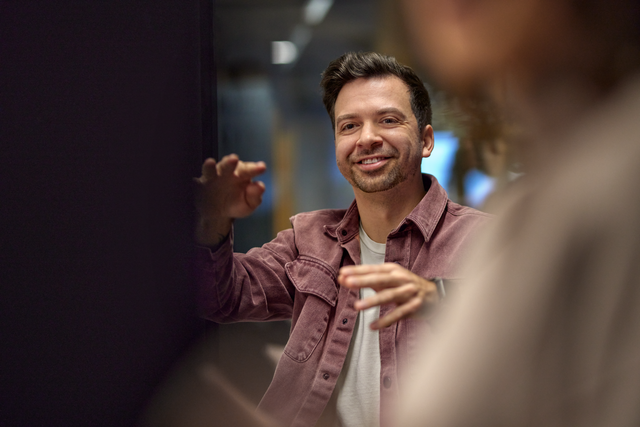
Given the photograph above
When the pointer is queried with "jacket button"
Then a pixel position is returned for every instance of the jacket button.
(343, 232)
(325, 376)
(344, 321)
(386, 382)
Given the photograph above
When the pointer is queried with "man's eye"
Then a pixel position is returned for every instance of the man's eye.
(348, 126)
(389, 120)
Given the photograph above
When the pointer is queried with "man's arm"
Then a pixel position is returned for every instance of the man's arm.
(225, 191)
(238, 287)
(393, 284)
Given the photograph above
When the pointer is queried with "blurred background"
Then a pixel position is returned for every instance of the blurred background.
(269, 55)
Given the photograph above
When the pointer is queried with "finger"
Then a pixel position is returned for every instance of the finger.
(249, 170)
(377, 280)
(369, 268)
(398, 295)
(228, 164)
(357, 271)
(208, 169)
(399, 313)
(254, 193)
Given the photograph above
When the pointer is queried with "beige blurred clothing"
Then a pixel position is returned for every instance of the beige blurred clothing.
(197, 394)
(548, 333)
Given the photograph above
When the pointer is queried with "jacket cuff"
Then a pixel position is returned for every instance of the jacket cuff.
(206, 256)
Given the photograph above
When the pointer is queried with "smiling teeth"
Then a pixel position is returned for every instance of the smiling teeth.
(369, 161)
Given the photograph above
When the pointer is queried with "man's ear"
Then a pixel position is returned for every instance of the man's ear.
(426, 139)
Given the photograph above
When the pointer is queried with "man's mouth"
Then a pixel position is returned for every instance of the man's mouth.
(371, 160)
(372, 164)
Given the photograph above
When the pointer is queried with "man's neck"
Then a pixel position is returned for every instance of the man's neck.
(382, 212)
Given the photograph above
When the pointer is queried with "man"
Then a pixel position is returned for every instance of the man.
(336, 370)
(549, 331)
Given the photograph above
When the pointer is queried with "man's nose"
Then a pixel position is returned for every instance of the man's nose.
(369, 135)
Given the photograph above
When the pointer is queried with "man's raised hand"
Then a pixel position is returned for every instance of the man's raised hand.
(225, 191)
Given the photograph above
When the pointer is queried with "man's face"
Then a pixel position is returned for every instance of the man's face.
(378, 144)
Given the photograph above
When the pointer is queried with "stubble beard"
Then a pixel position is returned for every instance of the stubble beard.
(377, 181)
(387, 178)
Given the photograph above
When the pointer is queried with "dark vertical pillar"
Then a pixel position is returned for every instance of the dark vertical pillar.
(208, 84)
(209, 100)
(101, 126)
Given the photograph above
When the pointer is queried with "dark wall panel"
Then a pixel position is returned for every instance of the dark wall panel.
(100, 133)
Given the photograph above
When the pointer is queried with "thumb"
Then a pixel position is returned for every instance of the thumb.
(254, 193)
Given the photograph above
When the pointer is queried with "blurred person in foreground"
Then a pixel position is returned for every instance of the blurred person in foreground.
(353, 281)
(548, 333)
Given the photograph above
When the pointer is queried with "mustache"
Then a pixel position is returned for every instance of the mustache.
(382, 152)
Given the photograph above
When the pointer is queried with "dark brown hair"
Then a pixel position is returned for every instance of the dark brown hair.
(352, 65)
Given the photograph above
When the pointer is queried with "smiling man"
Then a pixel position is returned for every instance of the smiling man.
(354, 282)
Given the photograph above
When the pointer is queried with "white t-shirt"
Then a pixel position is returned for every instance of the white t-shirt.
(358, 388)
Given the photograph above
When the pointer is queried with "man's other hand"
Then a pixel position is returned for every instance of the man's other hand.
(225, 191)
(393, 284)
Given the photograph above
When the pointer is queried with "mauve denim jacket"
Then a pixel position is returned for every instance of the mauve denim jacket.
(294, 277)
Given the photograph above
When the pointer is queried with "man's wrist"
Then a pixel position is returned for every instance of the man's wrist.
(212, 232)
(213, 248)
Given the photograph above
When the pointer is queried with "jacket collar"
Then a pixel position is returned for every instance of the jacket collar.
(425, 215)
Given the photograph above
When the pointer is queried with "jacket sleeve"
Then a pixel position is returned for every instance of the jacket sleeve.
(234, 287)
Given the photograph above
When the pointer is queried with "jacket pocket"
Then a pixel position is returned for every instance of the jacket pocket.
(315, 283)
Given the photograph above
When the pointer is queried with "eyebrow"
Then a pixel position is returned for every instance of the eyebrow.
(379, 112)
(345, 117)
(393, 110)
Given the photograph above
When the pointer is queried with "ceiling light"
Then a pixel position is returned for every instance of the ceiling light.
(283, 52)
(315, 11)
